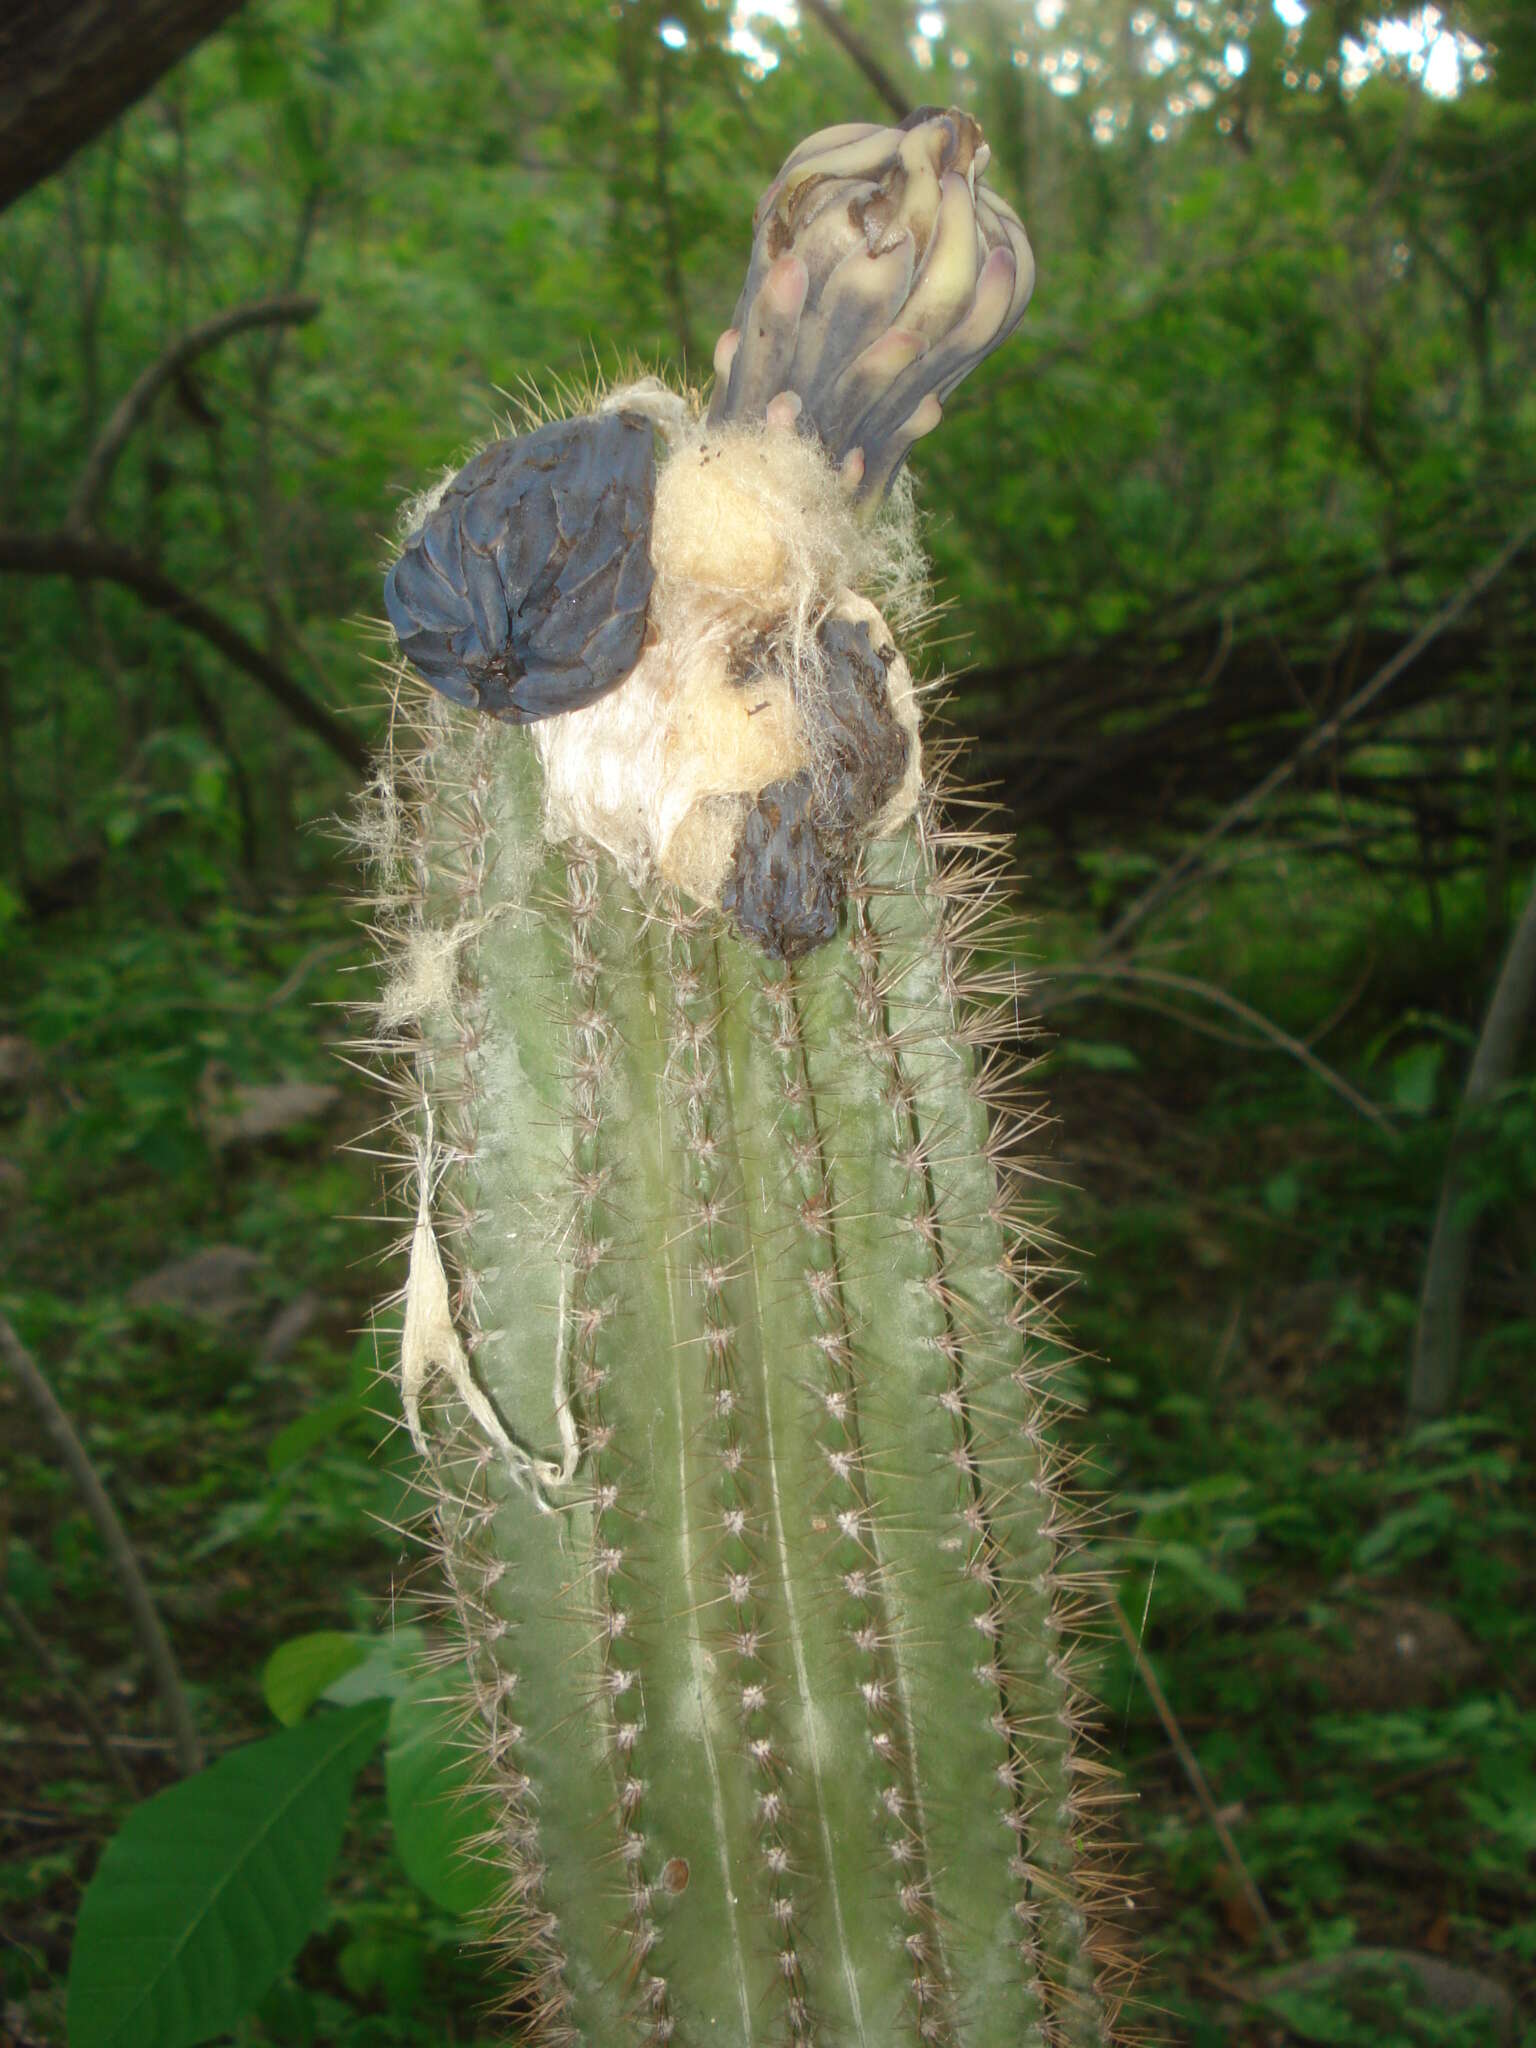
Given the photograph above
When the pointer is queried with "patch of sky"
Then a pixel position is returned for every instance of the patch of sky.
(1162, 52)
(760, 57)
(1422, 44)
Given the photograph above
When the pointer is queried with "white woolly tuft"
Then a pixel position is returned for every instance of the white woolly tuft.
(424, 975)
(674, 412)
(755, 543)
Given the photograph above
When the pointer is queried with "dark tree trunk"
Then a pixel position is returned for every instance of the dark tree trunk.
(68, 68)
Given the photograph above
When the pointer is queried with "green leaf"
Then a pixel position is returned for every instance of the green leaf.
(384, 1962)
(26, 1576)
(315, 1426)
(381, 1339)
(1409, 1532)
(389, 1669)
(1102, 1057)
(1193, 1565)
(209, 1889)
(1414, 1075)
(287, 2015)
(299, 1671)
(428, 1775)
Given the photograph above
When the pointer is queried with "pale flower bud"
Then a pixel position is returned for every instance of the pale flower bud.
(883, 270)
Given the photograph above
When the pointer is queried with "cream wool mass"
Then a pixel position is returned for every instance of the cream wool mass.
(755, 543)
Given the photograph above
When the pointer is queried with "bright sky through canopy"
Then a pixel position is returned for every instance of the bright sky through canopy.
(1420, 44)
(761, 57)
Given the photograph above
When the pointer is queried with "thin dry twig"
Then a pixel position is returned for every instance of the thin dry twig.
(130, 1745)
(865, 58)
(1200, 1785)
(1320, 737)
(141, 1606)
(19, 1622)
(661, 184)
(1207, 991)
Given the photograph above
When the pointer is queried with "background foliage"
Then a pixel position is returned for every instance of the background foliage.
(1270, 413)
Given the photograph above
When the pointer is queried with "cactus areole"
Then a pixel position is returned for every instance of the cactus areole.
(722, 1348)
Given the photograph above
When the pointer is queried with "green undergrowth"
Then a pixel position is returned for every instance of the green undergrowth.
(1333, 1605)
(256, 1466)
(1336, 1605)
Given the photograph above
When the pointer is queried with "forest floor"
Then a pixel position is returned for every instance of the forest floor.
(1333, 1606)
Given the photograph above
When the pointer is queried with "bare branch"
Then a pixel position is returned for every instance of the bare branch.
(69, 67)
(1223, 999)
(1199, 1783)
(291, 308)
(1437, 1339)
(672, 264)
(862, 55)
(91, 560)
(114, 1537)
(1320, 737)
(19, 1622)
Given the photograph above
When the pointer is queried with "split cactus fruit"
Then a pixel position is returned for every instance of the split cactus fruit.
(724, 1342)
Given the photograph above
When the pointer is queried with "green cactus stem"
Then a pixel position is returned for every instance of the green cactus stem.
(726, 1343)
(736, 1441)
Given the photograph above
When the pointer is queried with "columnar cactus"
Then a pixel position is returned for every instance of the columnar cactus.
(721, 1328)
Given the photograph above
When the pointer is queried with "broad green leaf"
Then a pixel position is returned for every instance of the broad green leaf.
(428, 1774)
(389, 1669)
(209, 1889)
(299, 1671)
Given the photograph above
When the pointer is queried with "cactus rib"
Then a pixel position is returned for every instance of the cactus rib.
(1001, 1443)
(758, 1576)
(854, 1761)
